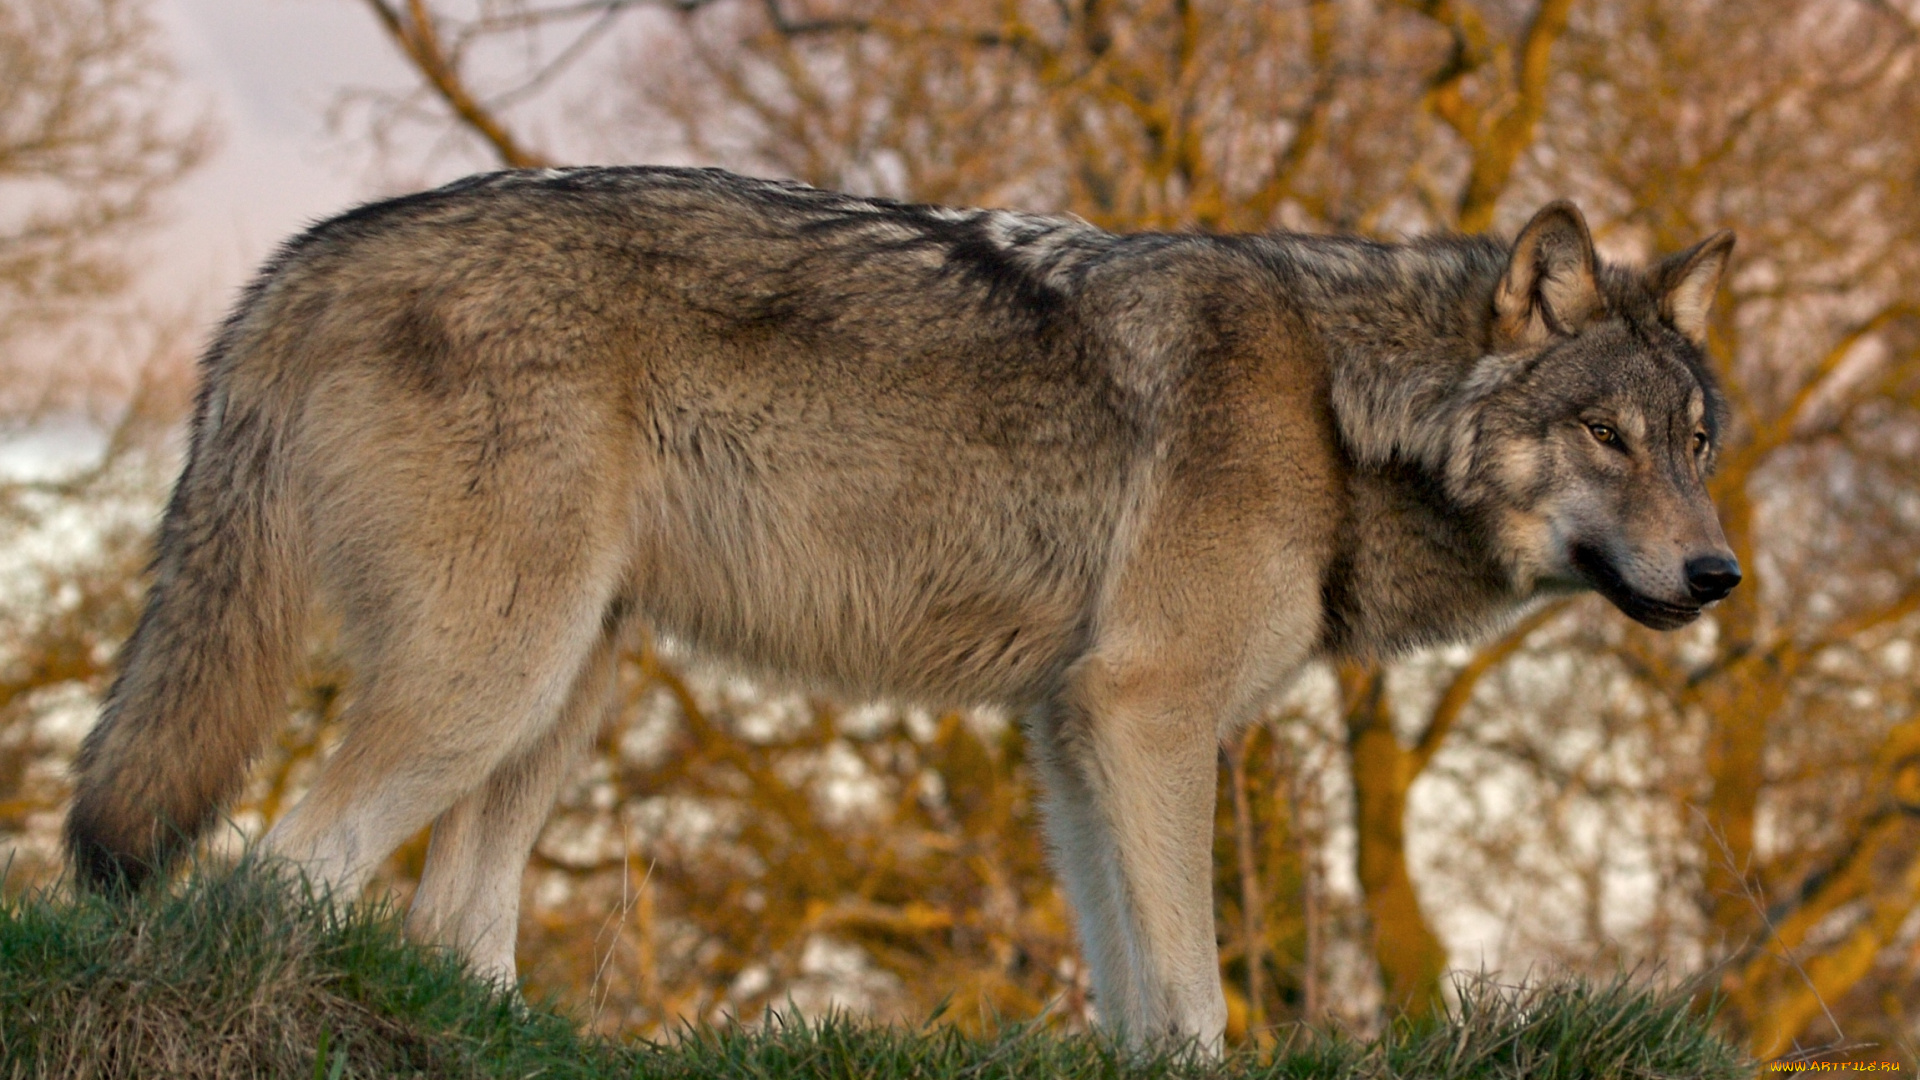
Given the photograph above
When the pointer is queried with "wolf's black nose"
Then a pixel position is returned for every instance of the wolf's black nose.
(1711, 577)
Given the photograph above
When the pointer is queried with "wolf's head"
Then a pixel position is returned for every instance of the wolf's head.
(1596, 423)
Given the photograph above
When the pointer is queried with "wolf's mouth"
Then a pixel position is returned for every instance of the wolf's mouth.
(1641, 608)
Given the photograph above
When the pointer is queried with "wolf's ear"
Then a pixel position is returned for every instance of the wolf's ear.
(1687, 282)
(1549, 287)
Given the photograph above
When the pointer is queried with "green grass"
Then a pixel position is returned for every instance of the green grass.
(231, 975)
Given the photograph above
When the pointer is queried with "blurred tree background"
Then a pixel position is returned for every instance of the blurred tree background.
(91, 135)
(1737, 803)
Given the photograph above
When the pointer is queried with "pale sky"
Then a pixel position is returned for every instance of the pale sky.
(267, 70)
(267, 73)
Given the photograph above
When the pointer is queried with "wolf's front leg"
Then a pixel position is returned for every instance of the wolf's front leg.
(1129, 762)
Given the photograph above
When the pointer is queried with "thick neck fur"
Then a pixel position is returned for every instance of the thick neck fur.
(1405, 328)
(1411, 568)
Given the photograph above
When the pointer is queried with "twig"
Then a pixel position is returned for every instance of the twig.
(417, 37)
(1755, 896)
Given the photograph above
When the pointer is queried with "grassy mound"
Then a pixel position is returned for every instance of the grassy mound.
(1567, 1031)
(232, 975)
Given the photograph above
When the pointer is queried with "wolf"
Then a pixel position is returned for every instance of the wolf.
(1126, 486)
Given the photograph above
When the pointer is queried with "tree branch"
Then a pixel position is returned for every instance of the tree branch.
(1513, 125)
(1310, 124)
(1497, 133)
(802, 27)
(414, 33)
(1796, 410)
(1460, 691)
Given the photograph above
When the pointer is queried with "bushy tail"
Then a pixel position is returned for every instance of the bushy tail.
(203, 678)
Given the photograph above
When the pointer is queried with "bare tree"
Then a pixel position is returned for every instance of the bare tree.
(88, 141)
(88, 144)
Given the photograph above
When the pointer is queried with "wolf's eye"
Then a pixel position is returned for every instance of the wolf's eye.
(1604, 435)
(1699, 442)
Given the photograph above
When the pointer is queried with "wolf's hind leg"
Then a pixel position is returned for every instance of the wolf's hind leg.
(469, 895)
(446, 699)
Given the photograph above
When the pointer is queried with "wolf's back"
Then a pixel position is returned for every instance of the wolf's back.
(203, 676)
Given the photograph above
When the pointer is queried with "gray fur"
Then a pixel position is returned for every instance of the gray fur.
(1127, 485)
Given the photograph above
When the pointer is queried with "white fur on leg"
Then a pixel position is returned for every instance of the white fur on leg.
(469, 895)
(1132, 814)
(1089, 867)
(433, 725)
